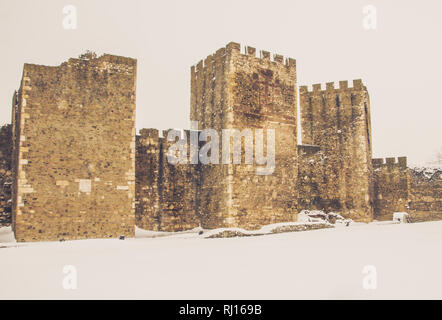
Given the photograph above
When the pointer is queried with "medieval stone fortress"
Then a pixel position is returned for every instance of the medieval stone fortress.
(73, 166)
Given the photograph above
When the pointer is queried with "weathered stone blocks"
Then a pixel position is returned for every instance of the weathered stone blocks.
(74, 150)
(167, 194)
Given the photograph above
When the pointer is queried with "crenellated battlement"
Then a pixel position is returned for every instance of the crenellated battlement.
(233, 48)
(263, 54)
(160, 136)
(330, 86)
(184, 133)
(400, 162)
(149, 133)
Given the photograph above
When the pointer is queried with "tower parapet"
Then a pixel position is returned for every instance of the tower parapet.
(332, 86)
(399, 162)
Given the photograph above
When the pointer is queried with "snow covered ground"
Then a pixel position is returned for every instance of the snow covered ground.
(322, 264)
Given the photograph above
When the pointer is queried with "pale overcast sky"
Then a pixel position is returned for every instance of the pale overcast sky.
(400, 62)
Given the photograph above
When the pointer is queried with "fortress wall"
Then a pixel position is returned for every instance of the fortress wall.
(401, 189)
(147, 168)
(391, 179)
(74, 150)
(425, 194)
(310, 177)
(167, 194)
(178, 194)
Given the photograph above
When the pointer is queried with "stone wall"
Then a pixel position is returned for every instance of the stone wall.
(310, 177)
(234, 90)
(74, 150)
(5, 175)
(338, 120)
(166, 193)
(398, 188)
(391, 180)
(425, 194)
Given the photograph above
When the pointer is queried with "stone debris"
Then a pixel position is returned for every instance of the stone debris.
(267, 230)
(308, 216)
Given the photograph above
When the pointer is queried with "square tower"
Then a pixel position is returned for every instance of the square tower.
(235, 90)
(338, 120)
(74, 150)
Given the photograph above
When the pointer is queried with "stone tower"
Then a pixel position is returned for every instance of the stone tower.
(235, 90)
(338, 121)
(74, 150)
